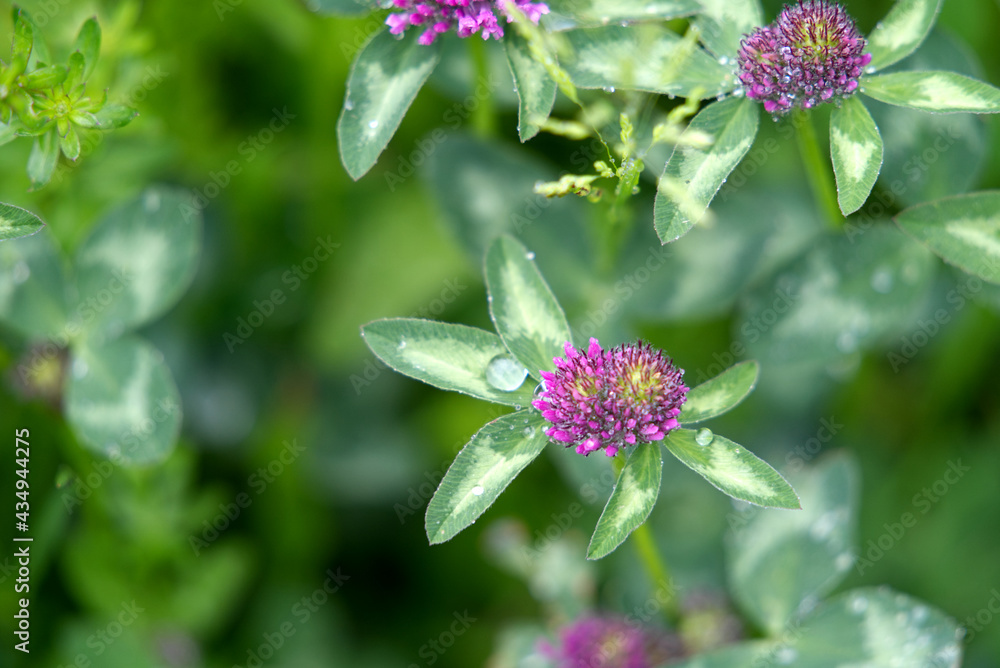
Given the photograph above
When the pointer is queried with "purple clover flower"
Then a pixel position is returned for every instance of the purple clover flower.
(611, 399)
(468, 16)
(604, 642)
(812, 53)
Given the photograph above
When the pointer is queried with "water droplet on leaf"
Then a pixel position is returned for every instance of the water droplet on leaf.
(882, 280)
(704, 437)
(151, 202)
(847, 342)
(786, 655)
(478, 490)
(505, 374)
(373, 124)
(824, 526)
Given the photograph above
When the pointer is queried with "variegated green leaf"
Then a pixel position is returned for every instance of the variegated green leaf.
(384, 80)
(647, 57)
(861, 628)
(724, 22)
(901, 31)
(720, 394)
(536, 91)
(482, 470)
(778, 560)
(137, 262)
(33, 288)
(527, 316)
(122, 402)
(856, 149)
(964, 230)
(631, 501)
(16, 222)
(877, 627)
(452, 357)
(731, 468)
(848, 292)
(934, 91)
(693, 175)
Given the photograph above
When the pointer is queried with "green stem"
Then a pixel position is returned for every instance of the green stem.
(654, 564)
(817, 169)
(484, 118)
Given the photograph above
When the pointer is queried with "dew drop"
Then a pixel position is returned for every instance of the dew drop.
(348, 104)
(870, 69)
(724, 60)
(373, 124)
(478, 490)
(530, 255)
(882, 280)
(949, 653)
(505, 374)
(824, 526)
(859, 604)
(847, 342)
(151, 201)
(843, 561)
(80, 368)
(402, 344)
(21, 272)
(786, 655)
(609, 89)
(704, 437)
(529, 431)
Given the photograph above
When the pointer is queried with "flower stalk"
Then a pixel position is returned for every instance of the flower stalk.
(817, 169)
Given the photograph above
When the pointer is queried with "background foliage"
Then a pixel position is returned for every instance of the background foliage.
(314, 463)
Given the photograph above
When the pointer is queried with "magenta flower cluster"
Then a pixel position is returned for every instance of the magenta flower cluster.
(812, 53)
(468, 17)
(607, 642)
(612, 399)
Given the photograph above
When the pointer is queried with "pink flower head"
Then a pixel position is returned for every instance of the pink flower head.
(611, 399)
(604, 642)
(812, 53)
(467, 17)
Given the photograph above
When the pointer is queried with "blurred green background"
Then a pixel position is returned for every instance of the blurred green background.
(333, 457)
